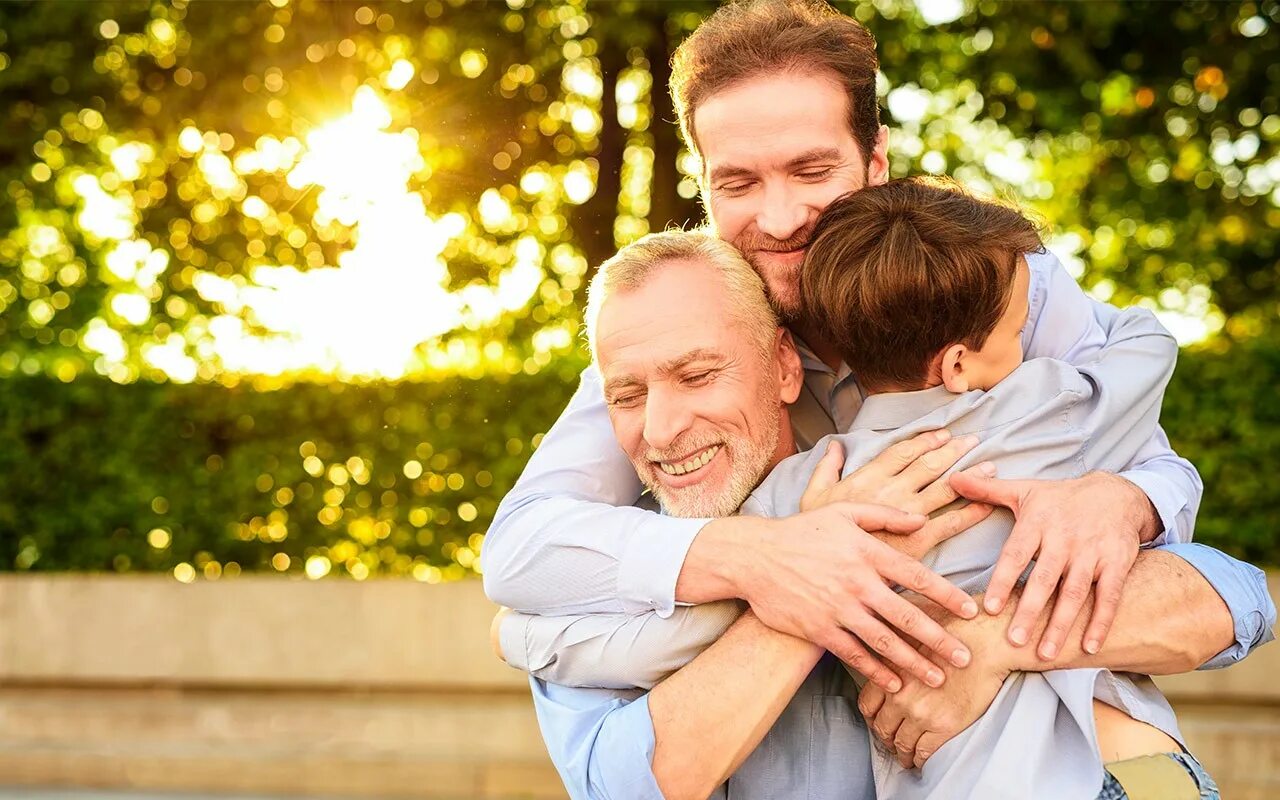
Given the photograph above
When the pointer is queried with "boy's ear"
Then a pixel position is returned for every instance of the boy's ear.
(953, 369)
(790, 371)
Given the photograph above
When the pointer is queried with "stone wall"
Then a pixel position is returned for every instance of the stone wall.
(378, 689)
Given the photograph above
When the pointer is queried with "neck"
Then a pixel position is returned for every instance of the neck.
(826, 352)
(786, 442)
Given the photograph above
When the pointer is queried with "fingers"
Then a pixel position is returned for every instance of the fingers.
(931, 465)
(938, 530)
(825, 476)
(911, 574)
(871, 517)
(941, 492)
(1071, 597)
(905, 741)
(1105, 605)
(898, 457)
(927, 745)
(890, 647)
(870, 699)
(849, 650)
(886, 722)
(913, 622)
(1014, 557)
(989, 490)
(1035, 595)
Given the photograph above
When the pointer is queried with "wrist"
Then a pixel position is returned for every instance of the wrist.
(721, 562)
(986, 638)
(1139, 512)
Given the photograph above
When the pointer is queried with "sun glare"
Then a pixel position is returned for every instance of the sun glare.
(365, 316)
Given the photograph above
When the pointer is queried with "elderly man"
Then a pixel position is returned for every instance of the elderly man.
(778, 101)
(697, 377)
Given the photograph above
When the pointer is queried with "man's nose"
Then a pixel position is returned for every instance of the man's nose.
(667, 416)
(782, 212)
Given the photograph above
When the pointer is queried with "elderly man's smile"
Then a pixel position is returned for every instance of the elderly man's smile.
(690, 465)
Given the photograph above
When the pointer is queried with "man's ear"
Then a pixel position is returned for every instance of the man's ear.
(790, 372)
(952, 369)
(878, 166)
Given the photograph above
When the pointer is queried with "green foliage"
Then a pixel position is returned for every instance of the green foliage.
(162, 225)
(1222, 412)
(402, 477)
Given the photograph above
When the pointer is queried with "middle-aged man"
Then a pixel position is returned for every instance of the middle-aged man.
(778, 101)
(698, 377)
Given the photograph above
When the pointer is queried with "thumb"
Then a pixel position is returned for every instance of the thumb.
(826, 475)
(994, 491)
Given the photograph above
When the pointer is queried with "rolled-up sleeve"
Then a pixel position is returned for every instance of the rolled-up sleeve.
(566, 538)
(601, 741)
(1244, 589)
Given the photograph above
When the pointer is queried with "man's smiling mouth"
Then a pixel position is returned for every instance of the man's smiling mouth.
(690, 465)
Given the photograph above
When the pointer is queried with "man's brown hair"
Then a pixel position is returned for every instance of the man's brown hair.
(899, 272)
(749, 38)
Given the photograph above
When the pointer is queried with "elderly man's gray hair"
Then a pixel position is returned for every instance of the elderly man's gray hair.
(632, 266)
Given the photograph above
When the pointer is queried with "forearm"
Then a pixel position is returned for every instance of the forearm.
(1170, 620)
(710, 715)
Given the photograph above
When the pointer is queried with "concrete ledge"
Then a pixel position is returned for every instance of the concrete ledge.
(264, 684)
(249, 631)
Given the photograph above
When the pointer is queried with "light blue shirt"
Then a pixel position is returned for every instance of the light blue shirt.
(567, 538)
(601, 740)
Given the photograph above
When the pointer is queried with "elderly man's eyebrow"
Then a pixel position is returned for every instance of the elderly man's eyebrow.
(614, 385)
(697, 354)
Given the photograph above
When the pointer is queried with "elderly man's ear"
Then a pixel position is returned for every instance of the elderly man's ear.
(790, 372)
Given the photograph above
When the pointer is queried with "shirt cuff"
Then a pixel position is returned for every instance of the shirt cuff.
(1167, 501)
(1243, 588)
(513, 640)
(651, 562)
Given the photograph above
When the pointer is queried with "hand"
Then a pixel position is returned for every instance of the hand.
(820, 576)
(907, 476)
(1080, 532)
(918, 720)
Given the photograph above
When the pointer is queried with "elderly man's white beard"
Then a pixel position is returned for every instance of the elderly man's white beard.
(748, 464)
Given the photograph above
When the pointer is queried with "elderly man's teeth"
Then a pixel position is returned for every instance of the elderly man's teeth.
(697, 462)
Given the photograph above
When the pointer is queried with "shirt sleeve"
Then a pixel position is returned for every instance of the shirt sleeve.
(1244, 589)
(601, 741)
(565, 539)
(1065, 323)
(613, 651)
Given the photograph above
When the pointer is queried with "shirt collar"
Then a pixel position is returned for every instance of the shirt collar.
(892, 410)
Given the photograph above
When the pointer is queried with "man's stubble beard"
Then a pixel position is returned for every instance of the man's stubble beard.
(782, 290)
(748, 466)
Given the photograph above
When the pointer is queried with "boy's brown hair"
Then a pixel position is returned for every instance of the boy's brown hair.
(899, 272)
(750, 38)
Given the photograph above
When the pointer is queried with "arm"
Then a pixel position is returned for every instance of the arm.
(606, 744)
(1065, 323)
(1085, 529)
(1223, 613)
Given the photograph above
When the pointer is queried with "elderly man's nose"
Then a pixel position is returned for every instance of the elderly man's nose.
(664, 421)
